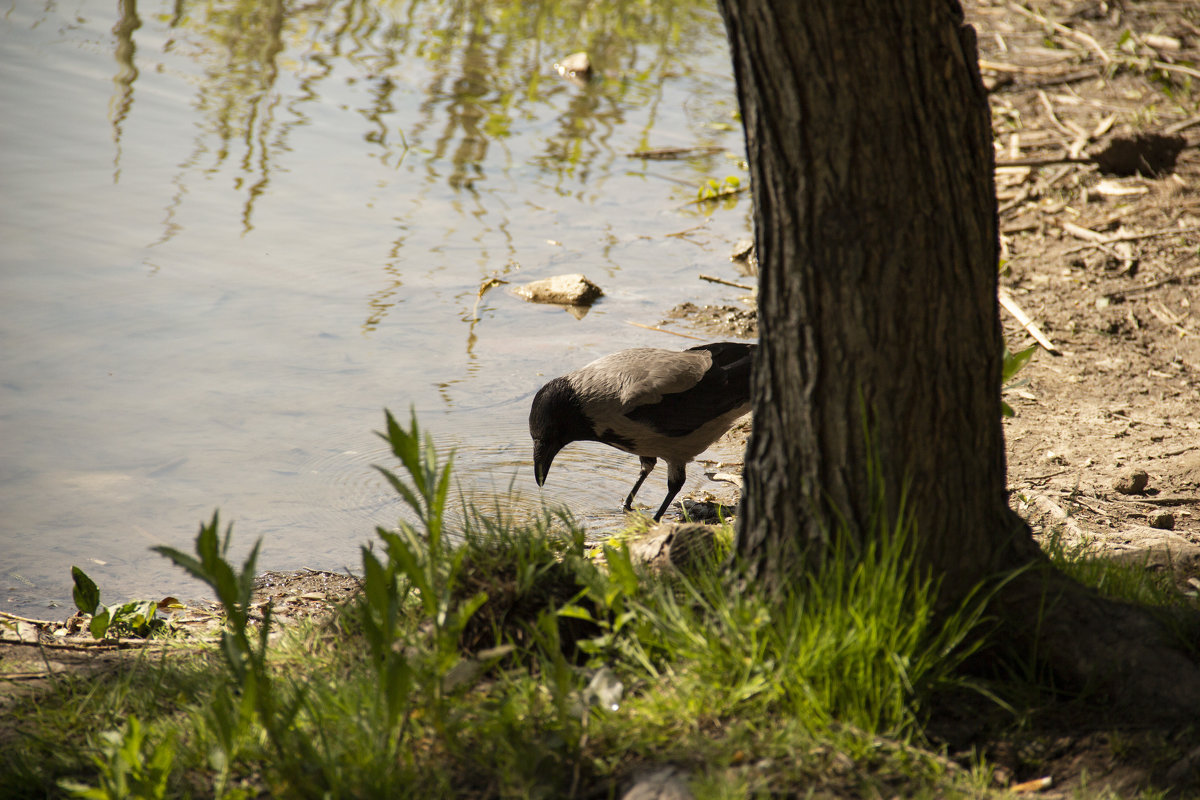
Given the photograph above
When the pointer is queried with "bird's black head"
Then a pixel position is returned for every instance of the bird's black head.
(555, 420)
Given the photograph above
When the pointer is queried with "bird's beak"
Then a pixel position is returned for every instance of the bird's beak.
(543, 455)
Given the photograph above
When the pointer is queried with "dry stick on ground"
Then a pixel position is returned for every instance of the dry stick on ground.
(1127, 237)
(1062, 126)
(1080, 232)
(1042, 161)
(1060, 516)
(1028, 324)
(42, 622)
(1182, 125)
(86, 646)
(1022, 195)
(1182, 70)
(1000, 66)
(1078, 36)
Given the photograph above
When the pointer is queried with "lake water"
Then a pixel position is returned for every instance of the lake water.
(232, 233)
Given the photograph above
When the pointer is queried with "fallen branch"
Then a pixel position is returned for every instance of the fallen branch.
(1150, 286)
(1080, 232)
(1193, 73)
(85, 646)
(1078, 36)
(1160, 501)
(1125, 237)
(41, 622)
(1043, 161)
(1028, 324)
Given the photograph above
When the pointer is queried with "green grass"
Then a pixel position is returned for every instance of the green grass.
(500, 660)
(1132, 582)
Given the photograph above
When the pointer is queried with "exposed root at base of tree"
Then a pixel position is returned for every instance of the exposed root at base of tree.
(1136, 661)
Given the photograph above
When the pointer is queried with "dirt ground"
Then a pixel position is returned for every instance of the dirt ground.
(1096, 109)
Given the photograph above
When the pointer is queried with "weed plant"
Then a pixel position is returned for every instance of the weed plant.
(500, 660)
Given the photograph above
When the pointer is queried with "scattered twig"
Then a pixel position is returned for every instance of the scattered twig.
(1178, 127)
(1042, 161)
(28, 676)
(43, 622)
(724, 282)
(1124, 237)
(1160, 501)
(664, 330)
(1194, 73)
(1000, 66)
(1080, 232)
(1052, 508)
(1022, 195)
(692, 229)
(1079, 501)
(1028, 324)
(1132, 237)
(1045, 100)
(675, 152)
(1170, 320)
(1078, 36)
(1046, 477)
(123, 644)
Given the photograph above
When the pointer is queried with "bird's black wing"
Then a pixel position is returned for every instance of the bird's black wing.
(723, 388)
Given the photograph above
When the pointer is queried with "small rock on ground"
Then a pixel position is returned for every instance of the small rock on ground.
(1133, 481)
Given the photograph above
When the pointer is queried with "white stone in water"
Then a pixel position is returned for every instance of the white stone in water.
(565, 290)
(576, 65)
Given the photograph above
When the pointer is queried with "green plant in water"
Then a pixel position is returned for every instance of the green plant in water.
(712, 189)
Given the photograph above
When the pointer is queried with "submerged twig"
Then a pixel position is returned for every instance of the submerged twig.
(724, 282)
(664, 330)
(675, 152)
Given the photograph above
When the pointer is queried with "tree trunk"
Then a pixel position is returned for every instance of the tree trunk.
(870, 147)
(876, 222)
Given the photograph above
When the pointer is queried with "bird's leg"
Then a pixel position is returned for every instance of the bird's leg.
(676, 475)
(647, 465)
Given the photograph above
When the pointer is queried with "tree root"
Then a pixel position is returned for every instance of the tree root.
(1142, 665)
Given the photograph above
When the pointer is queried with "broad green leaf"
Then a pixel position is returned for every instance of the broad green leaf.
(1015, 362)
(86, 593)
(99, 623)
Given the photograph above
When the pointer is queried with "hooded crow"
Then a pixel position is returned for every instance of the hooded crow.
(653, 403)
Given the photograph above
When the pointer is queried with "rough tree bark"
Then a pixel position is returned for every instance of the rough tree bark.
(870, 149)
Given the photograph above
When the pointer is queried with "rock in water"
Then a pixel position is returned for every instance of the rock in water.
(563, 290)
